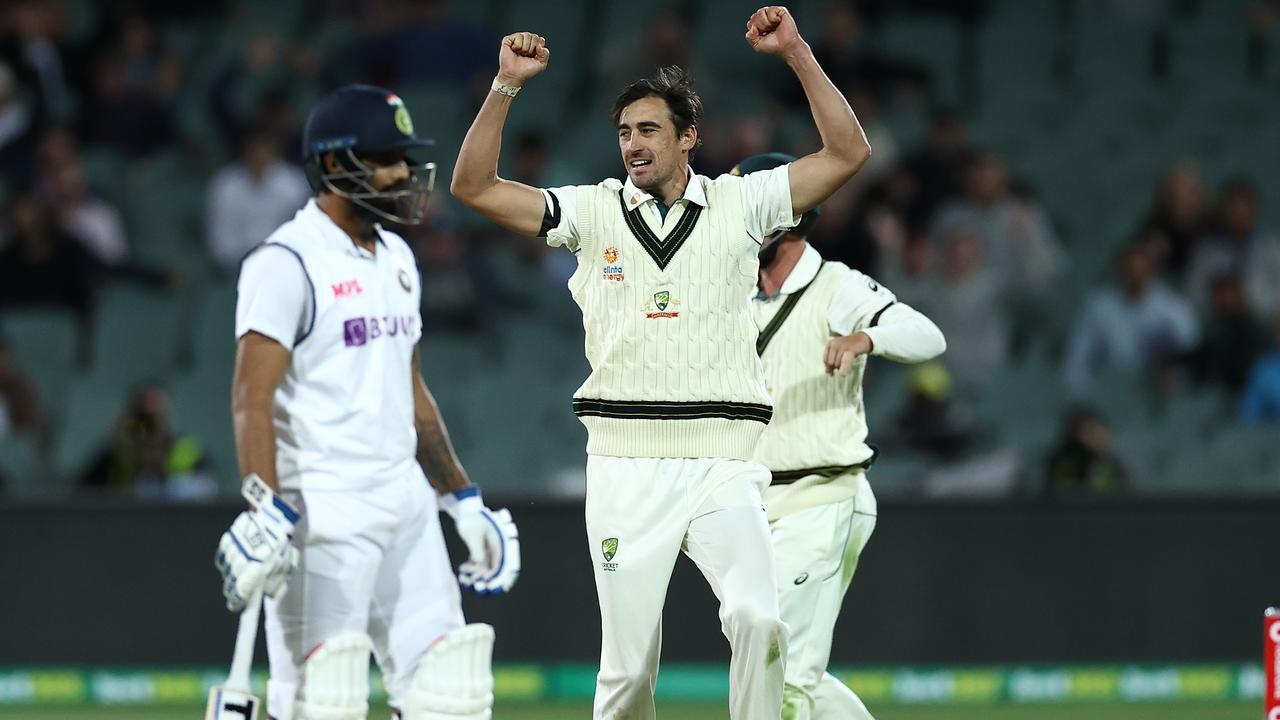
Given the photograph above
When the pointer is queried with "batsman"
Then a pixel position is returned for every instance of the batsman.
(338, 436)
(819, 321)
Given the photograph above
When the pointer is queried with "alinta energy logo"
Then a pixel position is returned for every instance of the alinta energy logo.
(609, 547)
(361, 331)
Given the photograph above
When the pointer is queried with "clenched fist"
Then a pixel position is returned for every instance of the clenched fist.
(842, 351)
(772, 30)
(522, 56)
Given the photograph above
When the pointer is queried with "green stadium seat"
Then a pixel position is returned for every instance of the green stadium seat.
(44, 343)
(23, 472)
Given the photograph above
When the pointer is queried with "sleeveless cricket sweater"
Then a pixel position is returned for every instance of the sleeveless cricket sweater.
(816, 444)
(669, 329)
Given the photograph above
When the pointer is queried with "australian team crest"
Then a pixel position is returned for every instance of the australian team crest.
(609, 547)
(661, 301)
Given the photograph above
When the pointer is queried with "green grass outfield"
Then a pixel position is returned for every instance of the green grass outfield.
(1190, 710)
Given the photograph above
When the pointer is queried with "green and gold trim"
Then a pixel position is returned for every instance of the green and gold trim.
(662, 250)
(786, 477)
(670, 410)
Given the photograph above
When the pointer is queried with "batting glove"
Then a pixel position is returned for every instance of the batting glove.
(492, 541)
(255, 553)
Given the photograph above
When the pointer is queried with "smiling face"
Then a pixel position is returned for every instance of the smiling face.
(652, 150)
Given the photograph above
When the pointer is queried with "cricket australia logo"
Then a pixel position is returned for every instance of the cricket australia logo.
(612, 270)
(609, 547)
(661, 301)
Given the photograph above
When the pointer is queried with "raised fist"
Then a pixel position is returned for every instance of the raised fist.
(522, 56)
(772, 30)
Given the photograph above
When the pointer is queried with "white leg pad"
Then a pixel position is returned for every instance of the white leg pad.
(454, 681)
(335, 680)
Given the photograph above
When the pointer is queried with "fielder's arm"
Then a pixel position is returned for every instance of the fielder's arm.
(260, 367)
(435, 452)
(515, 206)
(813, 177)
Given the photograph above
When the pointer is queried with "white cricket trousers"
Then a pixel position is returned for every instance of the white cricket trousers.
(816, 553)
(372, 561)
(641, 512)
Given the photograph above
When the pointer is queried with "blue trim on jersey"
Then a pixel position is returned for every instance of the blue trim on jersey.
(312, 286)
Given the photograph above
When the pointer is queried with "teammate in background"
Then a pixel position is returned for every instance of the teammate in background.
(676, 401)
(818, 323)
(334, 429)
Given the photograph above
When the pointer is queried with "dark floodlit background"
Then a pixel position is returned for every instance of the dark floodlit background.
(1083, 194)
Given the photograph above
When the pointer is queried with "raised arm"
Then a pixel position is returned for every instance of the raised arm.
(515, 206)
(813, 177)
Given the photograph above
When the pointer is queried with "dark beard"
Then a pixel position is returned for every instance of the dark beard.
(769, 253)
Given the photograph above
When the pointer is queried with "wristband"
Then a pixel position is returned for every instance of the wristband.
(504, 89)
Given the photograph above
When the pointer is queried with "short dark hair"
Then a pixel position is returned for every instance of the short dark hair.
(674, 85)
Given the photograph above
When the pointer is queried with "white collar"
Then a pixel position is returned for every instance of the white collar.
(693, 192)
(804, 272)
(334, 236)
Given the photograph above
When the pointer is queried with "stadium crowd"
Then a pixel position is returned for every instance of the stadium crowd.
(1191, 301)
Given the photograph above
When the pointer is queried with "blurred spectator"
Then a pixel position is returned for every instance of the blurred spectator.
(848, 60)
(970, 304)
(18, 128)
(255, 91)
(663, 41)
(146, 458)
(133, 85)
(250, 198)
(1261, 401)
(81, 214)
(1244, 247)
(19, 401)
(1084, 462)
(32, 42)
(1232, 340)
(929, 423)
(1133, 326)
(937, 169)
(1019, 246)
(458, 287)
(416, 42)
(1177, 220)
(42, 264)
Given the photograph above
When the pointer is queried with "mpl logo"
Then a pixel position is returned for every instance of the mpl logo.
(360, 331)
(346, 288)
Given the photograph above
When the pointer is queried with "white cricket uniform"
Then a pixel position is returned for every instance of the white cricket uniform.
(821, 508)
(673, 407)
(373, 558)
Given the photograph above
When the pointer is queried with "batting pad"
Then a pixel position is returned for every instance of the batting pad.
(335, 680)
(454, 681)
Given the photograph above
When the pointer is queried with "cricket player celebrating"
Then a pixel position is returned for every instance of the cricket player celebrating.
(334, 428)
(818, 323)
(676, 399)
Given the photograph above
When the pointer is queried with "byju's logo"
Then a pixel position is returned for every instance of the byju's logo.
(359, 331)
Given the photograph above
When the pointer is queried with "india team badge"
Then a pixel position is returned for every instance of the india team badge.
(404, 280)
(404, 123)
(612, 269)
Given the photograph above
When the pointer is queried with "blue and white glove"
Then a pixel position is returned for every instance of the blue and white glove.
(255, 554)
(492, 542)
